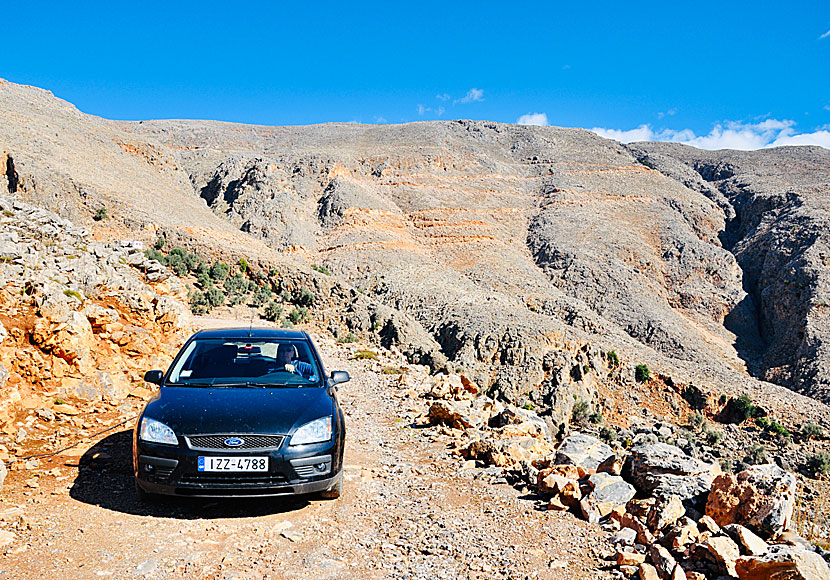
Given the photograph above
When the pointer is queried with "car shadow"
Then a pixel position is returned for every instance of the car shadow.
(105, 479)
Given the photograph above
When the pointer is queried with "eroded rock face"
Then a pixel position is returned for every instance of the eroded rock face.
(665, 471)
(761, 498)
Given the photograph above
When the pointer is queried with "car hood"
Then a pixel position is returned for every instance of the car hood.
(193, 410)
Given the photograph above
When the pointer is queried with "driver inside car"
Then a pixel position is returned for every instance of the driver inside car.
(288, 358)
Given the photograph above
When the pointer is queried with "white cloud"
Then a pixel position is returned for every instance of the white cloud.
(474, 95)
(827, 107)
(825, 35)
(729, 135)
(540, 119)
(443, 97)
(440, 111)
(380, 119)
(670, 113)
(421, 110)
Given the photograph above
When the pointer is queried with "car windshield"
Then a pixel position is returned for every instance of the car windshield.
(252, 362)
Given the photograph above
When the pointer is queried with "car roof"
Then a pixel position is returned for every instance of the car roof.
(252, 332)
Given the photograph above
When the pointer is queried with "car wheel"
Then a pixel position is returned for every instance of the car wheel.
(336, 490)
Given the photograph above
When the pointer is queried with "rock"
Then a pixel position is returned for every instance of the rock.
(664, 470)
(761, 497)
(64, 409)
(4, 334)
(588, 512)
(171, 314)
(630, 558)
(648, 572)
(624, 537)
(443, 412)
(724, 552)
(752, 545)
(3, 473)
(612, 465)
(79, 389)
(644, 535)
(113, 387)
(665, 513)
(583, 450)
(682, 534)
(679, 573)
(663, 561)
(707, 524)
(609, 492)
(785, 562)
(100, 316)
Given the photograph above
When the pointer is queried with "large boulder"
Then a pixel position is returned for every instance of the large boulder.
(785, 562)
(664, 471)
(761, 497)
(609, 492)
(583, 450)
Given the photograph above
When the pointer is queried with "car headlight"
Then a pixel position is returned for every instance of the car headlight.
(315, 431)
(156, 432)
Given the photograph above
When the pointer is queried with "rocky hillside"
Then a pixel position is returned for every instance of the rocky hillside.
(523, 255)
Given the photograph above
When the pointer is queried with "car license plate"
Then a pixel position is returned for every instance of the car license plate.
(233, 464)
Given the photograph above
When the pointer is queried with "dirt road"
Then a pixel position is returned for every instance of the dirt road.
(409, 511)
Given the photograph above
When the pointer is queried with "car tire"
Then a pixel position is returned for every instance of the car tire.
(336, 490)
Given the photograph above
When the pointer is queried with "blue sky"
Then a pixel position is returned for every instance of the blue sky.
(744, 74)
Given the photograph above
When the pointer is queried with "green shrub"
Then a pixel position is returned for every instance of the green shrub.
(243, 264)
(778, 429)
(528, 407)
(596, 418)
(580, 411)
(262, 295)
(393, 370)
(100, 214)
(199, 303)
(285, 323)
(695, 397)
(214, 296)
(741, 409)
(756, 455)
(175, 261)
(613, 359)
(298, 315)
(696, 420)
(348, 338)
(203, 281)
(159, 244)
(713, 436)
(302, 297)
(641, 373)
(818, 464)
(365, 354)
(812, 431)
(194, 263)
(762, 422)
(219, 271)
(321, 269)
(607, 434)
(154, 254)
(273, 311)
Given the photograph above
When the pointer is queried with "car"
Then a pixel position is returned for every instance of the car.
(244, 412)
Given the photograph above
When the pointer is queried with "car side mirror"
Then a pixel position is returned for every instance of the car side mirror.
(338, 377)
(155, 377)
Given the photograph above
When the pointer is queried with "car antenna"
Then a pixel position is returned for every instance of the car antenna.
(251, 325)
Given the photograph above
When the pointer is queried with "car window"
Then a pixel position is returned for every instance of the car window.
(261, 362)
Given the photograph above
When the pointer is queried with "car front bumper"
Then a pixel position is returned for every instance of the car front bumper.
(167, 470)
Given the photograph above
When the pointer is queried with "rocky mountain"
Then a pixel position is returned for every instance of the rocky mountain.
(523, 255)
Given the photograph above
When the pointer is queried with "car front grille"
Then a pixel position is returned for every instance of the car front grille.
(233, 479)
(250, 442)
